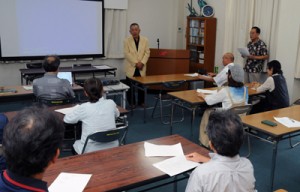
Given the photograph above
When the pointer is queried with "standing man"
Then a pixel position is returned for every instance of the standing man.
(220, 78)
(137, 52)
(258, 54)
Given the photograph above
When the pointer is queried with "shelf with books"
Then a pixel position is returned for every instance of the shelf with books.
(201, 40)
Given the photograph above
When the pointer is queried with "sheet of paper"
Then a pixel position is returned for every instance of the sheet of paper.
(205, 91)
(70, 182)
(191, 74)
(175, 165)
(102, 67)
(152, 150)
(66, 110)
(244, 51)
(288, 122)
(28, 88)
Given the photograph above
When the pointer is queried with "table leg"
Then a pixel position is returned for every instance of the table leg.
(192, 121)
(171, 117)
(275, 146)
(21, 79)
(123, 102)
(145, 103)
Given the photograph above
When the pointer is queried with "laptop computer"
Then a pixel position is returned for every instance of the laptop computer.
(65, 75)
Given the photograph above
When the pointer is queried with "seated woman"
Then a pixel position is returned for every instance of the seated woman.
(98, 114)
(277, 95)
(235, 94)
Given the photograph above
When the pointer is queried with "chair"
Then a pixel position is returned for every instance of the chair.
(70, 129)
(107, 136)
(55, 102)
(164, 97)
(297, 102)
(242, 111)
(30, 78)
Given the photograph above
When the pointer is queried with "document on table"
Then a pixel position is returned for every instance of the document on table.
(102, 67)
(191, 74)
(175, 165)
(66, 110)
(28, 88)
(288, 122)
(152, 150)
(244, 51)
(70, 182)
(205, 91)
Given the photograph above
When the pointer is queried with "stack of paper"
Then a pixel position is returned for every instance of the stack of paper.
(175, 165)
(66, 110)
(171, 166)
(244, 51)
(70, 182)
(28, 87)
(152, 150)
(288, 122)
(102, 67)
(191, 74)
(205, 91)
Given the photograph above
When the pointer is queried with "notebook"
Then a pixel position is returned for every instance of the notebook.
(65, 75)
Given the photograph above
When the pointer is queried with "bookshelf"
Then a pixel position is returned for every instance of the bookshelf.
(201, 41)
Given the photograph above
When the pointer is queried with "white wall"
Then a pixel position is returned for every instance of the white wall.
(288, 38)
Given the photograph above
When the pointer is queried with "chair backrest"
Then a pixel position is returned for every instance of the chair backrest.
(173, 84)
(107, 136)
(55, 102)
(241, 110)
(297, 102)
(3, 122)
(34, 65)
(82, 65)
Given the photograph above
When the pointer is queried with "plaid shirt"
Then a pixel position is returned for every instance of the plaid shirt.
(258, 48)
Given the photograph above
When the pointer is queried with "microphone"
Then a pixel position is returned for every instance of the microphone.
(157, 43)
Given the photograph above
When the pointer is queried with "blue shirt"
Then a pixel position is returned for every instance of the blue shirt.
(10, 182)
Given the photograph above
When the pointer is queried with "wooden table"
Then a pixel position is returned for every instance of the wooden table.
(11, 114)
(75, 70)
(18, 93)
(143, 83)
(275, 134)
(119, 168)
(190, 101)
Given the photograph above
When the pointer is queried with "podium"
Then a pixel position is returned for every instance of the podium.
(168, 61)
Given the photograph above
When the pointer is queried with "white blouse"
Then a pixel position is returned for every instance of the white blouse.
(99, 116)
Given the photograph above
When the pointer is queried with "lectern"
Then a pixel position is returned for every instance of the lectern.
(168, 61)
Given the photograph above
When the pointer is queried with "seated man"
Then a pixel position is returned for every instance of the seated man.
(31, 143)
(221, 78)
(50, 87)
(225, 170)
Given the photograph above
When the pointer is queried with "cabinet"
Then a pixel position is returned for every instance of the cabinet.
(201, 41)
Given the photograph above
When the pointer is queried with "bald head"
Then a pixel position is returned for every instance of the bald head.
(227, 58)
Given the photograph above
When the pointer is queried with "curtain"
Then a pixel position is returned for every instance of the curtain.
(241, 16)
(115, 32)
(297, 70)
